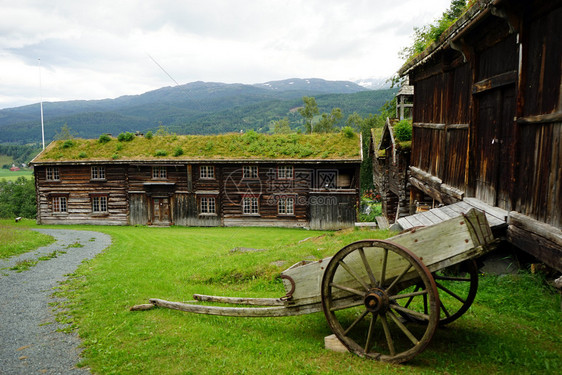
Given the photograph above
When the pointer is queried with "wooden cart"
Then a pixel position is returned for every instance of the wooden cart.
(381, 298)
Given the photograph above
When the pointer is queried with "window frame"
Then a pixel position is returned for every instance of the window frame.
(97, 173)
(101, 201)
(57, 205)
(282, 172)
(250, 172)
(284, 208)
(209, 173)
(52, 173)
(253, 206)
(159, 173)
(208, 201)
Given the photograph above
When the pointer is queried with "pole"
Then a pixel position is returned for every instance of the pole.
(41, 95)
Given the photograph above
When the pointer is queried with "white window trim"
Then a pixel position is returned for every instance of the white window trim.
(250, 172)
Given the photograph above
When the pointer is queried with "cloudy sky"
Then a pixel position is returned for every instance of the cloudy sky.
(104, 49)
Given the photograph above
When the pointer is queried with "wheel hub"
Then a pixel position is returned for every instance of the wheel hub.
(376, 301)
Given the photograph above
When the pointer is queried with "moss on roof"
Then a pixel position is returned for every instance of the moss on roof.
(250, 145)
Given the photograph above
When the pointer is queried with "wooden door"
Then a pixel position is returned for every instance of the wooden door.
(161, 211)
(494, 146)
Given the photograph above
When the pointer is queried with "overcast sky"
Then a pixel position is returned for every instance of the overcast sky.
(104, 49)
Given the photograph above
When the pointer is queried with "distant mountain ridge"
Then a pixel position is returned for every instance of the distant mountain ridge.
(192, 108)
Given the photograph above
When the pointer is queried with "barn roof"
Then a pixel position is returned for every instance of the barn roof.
(223, 147)
(469, 19)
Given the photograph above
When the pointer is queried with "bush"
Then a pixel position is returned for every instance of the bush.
(115, 156)
(125, 137)
(403, 131)
(104, 138)
(178, 151)
(148, 134)
(18, 198)
(68, 143)
(161, 153)
(348, 131)
(82, 155)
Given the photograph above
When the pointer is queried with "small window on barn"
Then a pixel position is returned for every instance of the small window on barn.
(250, 171)
(99, 204)
(60, 204)
(207, 172)
(285, 172)
(250, 206)
(286, 206)
(159, 173)
(53, 174)
(98, 173)
(207, 205)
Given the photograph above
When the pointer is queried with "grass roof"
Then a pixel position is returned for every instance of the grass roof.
(250, 145)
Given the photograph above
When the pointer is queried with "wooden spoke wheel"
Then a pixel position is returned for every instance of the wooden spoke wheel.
(361, 288)
(457, 286)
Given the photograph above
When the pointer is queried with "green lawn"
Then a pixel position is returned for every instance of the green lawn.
(514, 326)
(17, 238)
(12, 176)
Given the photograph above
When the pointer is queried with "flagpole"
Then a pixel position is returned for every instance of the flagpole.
(41, 95)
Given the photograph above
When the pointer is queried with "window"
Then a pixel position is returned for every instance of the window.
(285, 172)
(207, 172)
(286, 206)
(250, 171)
(59, 204)
(99, 203)
(250, 206)
(53, 173)
(159, 172)
(98, 173)
(207, 205)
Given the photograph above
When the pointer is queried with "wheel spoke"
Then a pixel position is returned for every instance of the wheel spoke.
(451, 293)
(355, 322)
(368, 267)
(415, 293)
(383, 270)
(347, 289)
(402, 327)
(447, 314)
(399, 277)
(389, 340)
(370, 333)
(411, 312)
(354, 275)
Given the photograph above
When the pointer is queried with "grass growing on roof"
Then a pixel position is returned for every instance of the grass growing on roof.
(250, 145)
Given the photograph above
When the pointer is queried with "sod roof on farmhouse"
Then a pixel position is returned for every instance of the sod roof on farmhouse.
(251, 145)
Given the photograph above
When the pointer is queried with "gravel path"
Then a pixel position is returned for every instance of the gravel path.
(29, 341)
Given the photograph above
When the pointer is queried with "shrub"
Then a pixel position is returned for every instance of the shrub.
(82, 155)
(161, 153)
(104, 138)
(403, 131)
(127, 137)
(118, 146)
(348, 131)
(68, 143)
(178, 151)
(148, 134)
(115, 156)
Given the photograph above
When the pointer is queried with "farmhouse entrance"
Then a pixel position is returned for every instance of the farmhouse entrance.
(161, 211)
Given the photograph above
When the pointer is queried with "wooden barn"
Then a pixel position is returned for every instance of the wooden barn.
(391, 160)
(224, 180)
(488, 118)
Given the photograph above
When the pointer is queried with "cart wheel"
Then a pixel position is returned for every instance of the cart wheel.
(457, 287)
(361, 288)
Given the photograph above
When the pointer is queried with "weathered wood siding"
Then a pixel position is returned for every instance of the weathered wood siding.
(76, 184)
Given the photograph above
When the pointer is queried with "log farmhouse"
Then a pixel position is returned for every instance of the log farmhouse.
(250, 179)
(487, 118)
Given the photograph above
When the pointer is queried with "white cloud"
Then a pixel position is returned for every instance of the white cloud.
(100, 49)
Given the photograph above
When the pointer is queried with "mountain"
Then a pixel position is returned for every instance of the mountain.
(193, 108)
(374, 83)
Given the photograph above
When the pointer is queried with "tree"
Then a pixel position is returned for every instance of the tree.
(17, 198)
(308, 112)
(65, 133)
(327, 123)
(281, 126)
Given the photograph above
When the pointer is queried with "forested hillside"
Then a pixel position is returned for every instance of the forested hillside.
(194, 108)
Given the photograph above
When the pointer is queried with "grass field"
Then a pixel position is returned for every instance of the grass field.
(18, 239)
(514, 326)
(12, 176)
